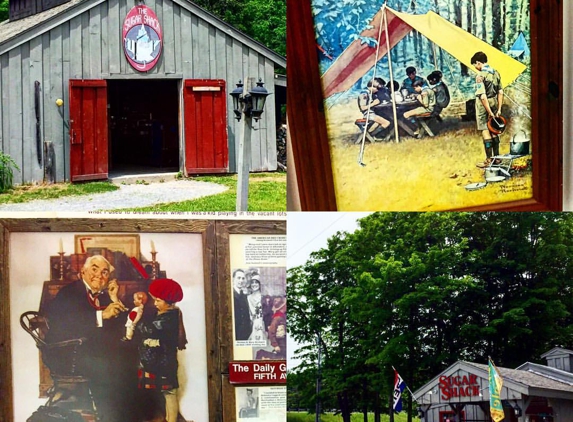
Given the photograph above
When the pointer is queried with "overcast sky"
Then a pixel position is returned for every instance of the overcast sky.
(308, 232)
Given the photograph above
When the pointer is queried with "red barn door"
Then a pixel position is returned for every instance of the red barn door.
(88, 130)
(206, 144)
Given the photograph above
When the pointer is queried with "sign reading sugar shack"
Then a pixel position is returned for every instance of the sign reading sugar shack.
(459, 386)
(142, 38)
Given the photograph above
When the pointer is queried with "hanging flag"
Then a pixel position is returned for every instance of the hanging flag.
(399, 386)
(495, 384)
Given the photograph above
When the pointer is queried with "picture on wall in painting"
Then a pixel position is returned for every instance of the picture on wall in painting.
(426, 101)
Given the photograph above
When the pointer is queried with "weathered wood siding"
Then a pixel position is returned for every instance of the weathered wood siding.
(89, 46)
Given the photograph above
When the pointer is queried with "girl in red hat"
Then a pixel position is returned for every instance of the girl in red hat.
(161, 338)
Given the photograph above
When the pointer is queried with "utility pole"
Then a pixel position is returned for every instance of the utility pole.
(318, 382)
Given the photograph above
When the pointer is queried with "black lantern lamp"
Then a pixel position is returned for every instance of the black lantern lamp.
(258, 97)
(237, 94)
(517, 411)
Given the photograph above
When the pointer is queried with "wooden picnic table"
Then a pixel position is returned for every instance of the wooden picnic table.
(385, 109)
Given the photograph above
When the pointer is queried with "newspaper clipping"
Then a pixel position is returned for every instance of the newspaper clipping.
(262, 403)
(258, 282)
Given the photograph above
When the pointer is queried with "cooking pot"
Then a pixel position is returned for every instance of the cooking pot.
(496, 125)
(519, 144)
(491, 172)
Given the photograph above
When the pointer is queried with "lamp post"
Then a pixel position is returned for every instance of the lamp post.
(251, 104)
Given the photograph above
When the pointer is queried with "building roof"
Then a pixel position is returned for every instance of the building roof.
(548, 372)
(14, 33)
(557, 351)
(530, 378)
(11, 29)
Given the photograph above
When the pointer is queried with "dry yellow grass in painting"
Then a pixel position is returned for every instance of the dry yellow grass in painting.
(428, 174)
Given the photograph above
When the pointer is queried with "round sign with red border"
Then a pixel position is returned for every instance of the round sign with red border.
(142, 38)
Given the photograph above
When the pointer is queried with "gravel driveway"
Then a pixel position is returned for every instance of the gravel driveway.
(127, 196)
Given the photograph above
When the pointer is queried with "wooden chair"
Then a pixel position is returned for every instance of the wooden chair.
(61, 359)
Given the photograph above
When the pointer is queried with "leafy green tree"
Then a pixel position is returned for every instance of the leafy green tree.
(302, 390)
(263, 20)
(3, 10)
(321, 314)
(422, 290)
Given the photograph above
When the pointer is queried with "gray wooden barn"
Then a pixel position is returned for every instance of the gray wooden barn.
(89, 88)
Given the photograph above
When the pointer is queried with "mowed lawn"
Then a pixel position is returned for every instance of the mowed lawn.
(355, 417)
(267, 192)
(427, 174)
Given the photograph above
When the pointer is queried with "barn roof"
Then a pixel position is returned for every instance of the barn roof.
(15, 33)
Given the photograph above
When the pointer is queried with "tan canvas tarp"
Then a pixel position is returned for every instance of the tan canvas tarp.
(359, 57)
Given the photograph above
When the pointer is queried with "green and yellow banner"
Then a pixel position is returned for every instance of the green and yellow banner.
(495, 384)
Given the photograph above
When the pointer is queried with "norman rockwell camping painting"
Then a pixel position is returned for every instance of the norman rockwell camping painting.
(427, 103)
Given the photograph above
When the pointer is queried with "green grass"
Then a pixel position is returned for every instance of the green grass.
(355, 417)
(27, 193)
(267, 192)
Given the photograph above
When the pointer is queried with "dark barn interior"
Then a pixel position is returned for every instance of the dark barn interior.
(143, 124)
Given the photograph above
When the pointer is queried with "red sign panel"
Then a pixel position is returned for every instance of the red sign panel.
(459, 386)
(142, 38)
(257, 372)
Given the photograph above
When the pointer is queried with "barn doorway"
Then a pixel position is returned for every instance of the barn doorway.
(143, 126)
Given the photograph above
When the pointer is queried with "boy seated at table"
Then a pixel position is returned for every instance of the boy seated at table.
(375, 95)
(397, 94)
(440, 89)
(427, 99)
(408, 83)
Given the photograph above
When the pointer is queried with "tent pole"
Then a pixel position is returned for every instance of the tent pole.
(361, 153)
(396, 137)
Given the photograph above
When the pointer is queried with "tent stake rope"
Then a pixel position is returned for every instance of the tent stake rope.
(455, 79)
(520, 107)
(361, 154)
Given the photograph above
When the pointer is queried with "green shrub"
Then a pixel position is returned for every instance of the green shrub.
(7, 165)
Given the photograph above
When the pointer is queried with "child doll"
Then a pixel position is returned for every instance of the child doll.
(139, 300)
(161, 338)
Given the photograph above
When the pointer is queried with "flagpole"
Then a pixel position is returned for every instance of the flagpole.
(412, 394)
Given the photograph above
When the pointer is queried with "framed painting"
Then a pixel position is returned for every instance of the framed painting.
(403, 105)
(39, 276)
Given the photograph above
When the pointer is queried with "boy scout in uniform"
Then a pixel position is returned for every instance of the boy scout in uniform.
(489, 99)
